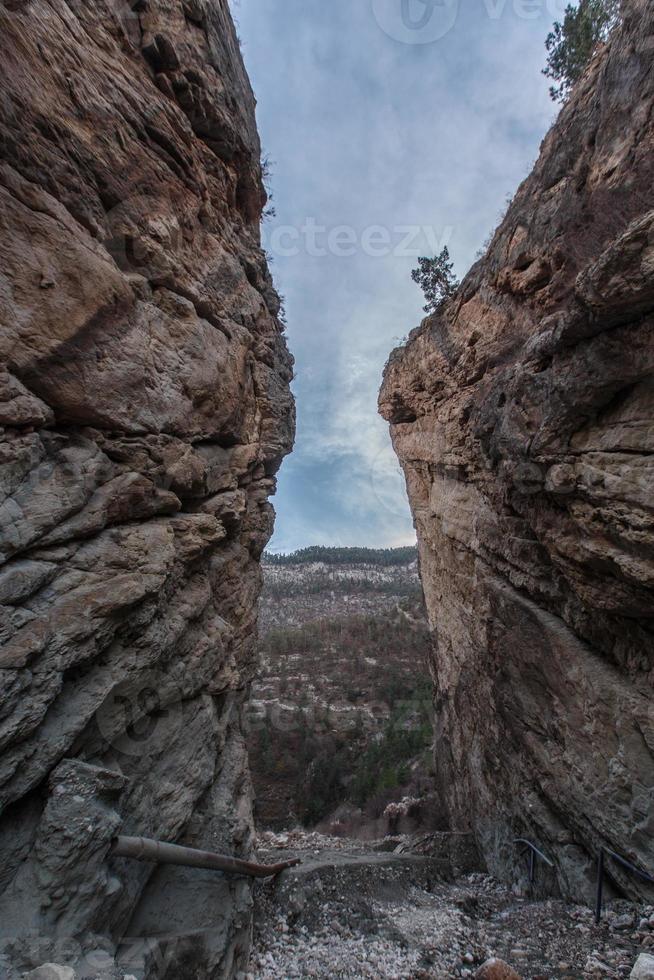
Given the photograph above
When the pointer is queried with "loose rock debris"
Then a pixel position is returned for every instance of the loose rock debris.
(437, 932)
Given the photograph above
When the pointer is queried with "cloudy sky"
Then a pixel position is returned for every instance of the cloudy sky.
(393, 127)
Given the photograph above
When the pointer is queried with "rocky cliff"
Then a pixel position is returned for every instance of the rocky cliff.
(145, 408)
(523, 415)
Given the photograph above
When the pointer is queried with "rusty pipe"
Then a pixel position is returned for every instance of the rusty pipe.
(144, 849)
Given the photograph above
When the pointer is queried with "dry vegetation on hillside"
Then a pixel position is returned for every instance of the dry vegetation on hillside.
(341, 712)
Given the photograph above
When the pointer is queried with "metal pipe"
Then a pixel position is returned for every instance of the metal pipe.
(143, 849)
(600, 886)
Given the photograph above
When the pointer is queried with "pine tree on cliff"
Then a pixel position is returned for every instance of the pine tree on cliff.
(571, 44)
(436, 279)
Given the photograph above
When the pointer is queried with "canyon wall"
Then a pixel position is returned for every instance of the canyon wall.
(523, 415)
(145, 408)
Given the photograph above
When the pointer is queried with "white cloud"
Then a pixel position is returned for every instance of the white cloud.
(368, 131)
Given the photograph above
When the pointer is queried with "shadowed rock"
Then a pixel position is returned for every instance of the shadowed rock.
(145, 408)
(523, 415)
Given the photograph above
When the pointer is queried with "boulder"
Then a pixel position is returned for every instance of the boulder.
(51, 971)
(496, 969)
(643, 968)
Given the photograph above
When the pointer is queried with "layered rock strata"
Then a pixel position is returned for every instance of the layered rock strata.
(145, 409)
(523, 415)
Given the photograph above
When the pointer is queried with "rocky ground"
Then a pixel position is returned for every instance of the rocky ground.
(350, 911)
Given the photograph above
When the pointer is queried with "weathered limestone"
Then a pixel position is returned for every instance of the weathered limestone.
(145, 409)
(523, 415)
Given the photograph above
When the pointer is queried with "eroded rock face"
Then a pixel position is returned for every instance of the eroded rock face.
(523, 415)
(145, 409)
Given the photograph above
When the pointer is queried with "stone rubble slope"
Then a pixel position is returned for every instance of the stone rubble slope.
(345, 914)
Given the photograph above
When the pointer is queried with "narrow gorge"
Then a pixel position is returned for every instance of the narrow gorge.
(145, 408)
(522, 412)
(145, 411)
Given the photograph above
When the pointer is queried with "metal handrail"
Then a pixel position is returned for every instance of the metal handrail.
(600, 876)
(533, 853)
(143, 849)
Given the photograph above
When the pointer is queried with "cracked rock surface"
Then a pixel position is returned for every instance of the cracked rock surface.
(144, 411)
(523, 415)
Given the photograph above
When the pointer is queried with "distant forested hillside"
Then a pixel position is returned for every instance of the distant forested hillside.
(341, 704)
(344, 556)
(341, 714)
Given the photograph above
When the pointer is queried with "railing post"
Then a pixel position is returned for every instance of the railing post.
(600, 886)
(534, 854)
